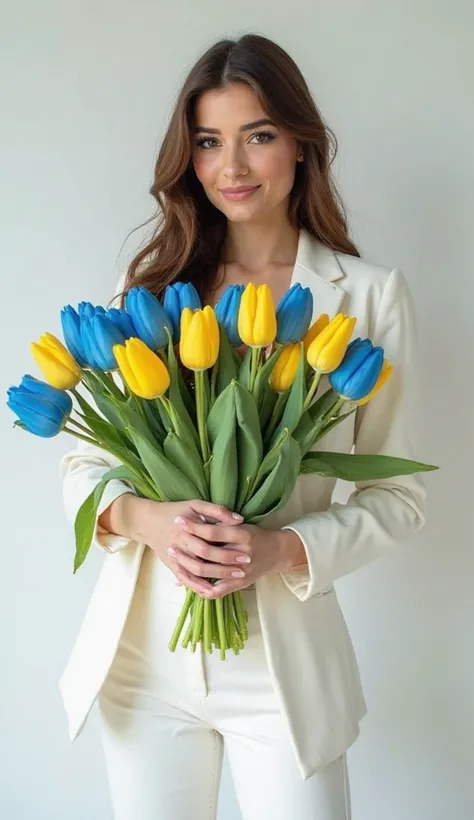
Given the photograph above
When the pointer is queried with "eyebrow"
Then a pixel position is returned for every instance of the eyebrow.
(247, 127)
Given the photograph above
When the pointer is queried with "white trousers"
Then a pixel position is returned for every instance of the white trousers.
(166, 717)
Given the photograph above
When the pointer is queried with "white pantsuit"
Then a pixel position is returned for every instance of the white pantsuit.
(306, 654)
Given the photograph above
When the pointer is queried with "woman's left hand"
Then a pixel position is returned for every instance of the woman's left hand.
(246, 549)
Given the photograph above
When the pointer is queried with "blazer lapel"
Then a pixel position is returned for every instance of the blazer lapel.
(317, 268)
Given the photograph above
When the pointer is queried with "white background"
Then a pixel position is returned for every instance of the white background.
(86, 91)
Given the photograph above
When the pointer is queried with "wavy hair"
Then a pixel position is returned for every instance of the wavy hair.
(188, 238)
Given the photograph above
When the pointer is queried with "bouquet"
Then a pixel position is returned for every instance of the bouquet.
(219, 404)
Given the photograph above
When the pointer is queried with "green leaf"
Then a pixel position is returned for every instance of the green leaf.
(227, 368)
(20, 424)
(177, 390)
(84, 525)
(263, 376)
(244, 372)
(249, 440)
(323, 405)
(325, 428)
(268, 401)
(104, 431)
(223, 466)
(294, 405)
(170, 482)
(277, 487)
(360, 467)
(187, 460)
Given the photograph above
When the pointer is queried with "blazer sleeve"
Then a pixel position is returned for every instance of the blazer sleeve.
(381, 513)
(81, 469)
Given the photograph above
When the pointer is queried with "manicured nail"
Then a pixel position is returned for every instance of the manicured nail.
(238, 574)
(171, 551)
(179, 520)
(243, 559)
(237, 517)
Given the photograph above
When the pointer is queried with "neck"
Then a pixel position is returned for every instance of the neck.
(254, 246)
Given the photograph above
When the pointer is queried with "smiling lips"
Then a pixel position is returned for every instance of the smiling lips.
(241, 192)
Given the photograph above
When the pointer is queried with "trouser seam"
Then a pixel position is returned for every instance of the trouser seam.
(213, 791)
(347, 801)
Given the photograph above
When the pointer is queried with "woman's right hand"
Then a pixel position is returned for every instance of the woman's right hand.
(154, 523)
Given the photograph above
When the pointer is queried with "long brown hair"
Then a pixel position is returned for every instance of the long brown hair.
(189, 235)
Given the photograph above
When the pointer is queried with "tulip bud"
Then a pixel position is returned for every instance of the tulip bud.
(43, 409)
(176, 298)
(358, 372)
(315, 329)
(227, 312)
(143, 371)
(71, 325)
(327, 350)
(56, 363)
(257, 320)
(293, 314)
(384, 376)
(199, 344)
(122, 320)
(98, 336)
(148, 317)
(284, 372)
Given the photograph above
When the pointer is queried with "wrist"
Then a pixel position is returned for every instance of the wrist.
(120, 516)
(292, 551)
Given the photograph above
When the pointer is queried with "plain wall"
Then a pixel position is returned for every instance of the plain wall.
(86, 91)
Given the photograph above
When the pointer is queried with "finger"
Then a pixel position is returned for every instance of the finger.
(202, 569)
(216, 534)
(225, 587)
(216, 512)
(215, 555)
(187, 579)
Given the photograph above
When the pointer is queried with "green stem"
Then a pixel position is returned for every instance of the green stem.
(221, 627)
(180, 622)
(201, 414)
(84, 438)
(80, 426)
(335, 409)
(254, 362)
(241, 615)
(312, 389)
(198, 615)
(208, 625)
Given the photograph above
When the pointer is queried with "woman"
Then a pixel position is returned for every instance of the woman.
(244, 190)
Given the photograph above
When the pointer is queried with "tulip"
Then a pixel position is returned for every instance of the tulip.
(284, 372)
(42, 409)
(327, 350)
(293, 314)
(148, 317)
(358, 372)
(384, 376)
(89, 310)
(122, 320)
(257, 320)
(98, 337)
(143, 371)
(176, 298)
(315, 329)
(199, 345)
(56, 363)
(227, 312)
(71, 325)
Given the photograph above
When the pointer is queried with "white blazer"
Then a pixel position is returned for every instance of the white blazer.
(309, 650)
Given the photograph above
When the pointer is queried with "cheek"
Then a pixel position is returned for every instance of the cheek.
(277, 166)
(204, 169)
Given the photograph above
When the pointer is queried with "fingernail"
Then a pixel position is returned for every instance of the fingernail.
(243, 559)
(179, 520)
(238, 574)
(203, 518)
(237, 517)
(171, 551)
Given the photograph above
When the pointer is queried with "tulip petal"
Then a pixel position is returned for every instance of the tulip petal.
(265, 327)
(247, 311)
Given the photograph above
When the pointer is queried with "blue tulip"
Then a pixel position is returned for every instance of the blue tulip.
(89, 310)
(41, 408)
(71, 324)
(359, 370)
(98, 336)
(227, 312)
(294, 314)
(149, 318)
(176, 298)
(122, 320)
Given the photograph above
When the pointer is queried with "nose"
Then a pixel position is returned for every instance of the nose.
(234, 162)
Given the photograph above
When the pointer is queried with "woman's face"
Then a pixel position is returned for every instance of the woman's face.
(230, 150)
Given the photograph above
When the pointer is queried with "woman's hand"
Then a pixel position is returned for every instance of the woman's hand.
(237, 556)
(153, 522)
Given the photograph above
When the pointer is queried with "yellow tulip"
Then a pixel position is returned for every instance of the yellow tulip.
(384, 376)
(285, 368)
(199, 338)
(257, 323)
(315, 330)
(327, 350)
(143, 371)
(58, 366)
